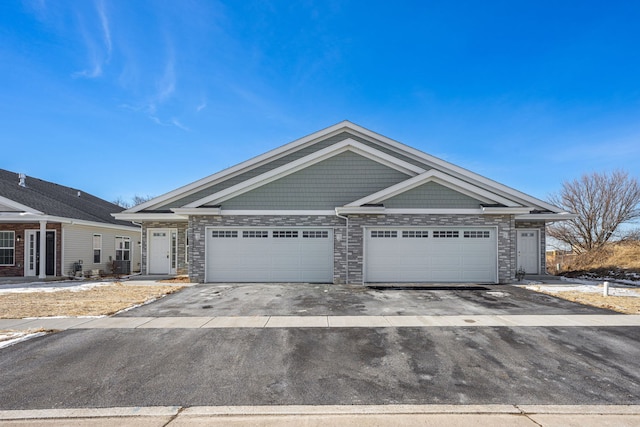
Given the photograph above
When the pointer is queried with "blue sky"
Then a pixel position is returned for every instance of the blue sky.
(140, 97)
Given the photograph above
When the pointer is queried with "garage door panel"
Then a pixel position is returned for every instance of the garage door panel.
(269, 255)
(431, 254)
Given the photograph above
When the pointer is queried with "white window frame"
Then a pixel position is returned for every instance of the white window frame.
(97, 248)
(11, 248)
(121, 240)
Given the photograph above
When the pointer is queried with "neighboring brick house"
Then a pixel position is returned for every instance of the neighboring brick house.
(344, 205)
(47, 229)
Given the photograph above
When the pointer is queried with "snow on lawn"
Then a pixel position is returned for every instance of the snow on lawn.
(52, 287)
(583, 285)
(8, 338)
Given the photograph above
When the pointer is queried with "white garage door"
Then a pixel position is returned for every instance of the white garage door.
(269, 255)
(431, 255)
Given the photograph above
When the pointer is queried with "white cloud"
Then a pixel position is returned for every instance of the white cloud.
(99, 52)
(201, 106)
(105, 28)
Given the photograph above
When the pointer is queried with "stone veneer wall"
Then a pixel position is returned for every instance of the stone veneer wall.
(181, 265)
(542, 245)
(505, 225)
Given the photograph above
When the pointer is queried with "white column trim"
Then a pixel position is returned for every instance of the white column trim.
(43, 250)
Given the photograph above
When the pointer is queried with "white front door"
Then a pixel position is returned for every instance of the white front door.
(528, 250)
(32, 253)
(161, 251)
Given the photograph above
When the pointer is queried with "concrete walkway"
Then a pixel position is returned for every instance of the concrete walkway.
(63, 323)
(348, 415)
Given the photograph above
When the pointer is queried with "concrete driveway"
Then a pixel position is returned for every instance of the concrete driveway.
(461, 365)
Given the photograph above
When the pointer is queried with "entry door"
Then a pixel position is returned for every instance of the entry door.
(528, 242)
(161, 251)
(32, 255)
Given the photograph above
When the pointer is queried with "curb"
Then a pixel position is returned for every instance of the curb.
(302, 410)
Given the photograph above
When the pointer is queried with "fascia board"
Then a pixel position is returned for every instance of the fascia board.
(549, 217)
(300, 164)
(507, 210)
(138, 217)
(73, 221)
(19, 206)
(433, 211)
(197, 211)
(242, 212)
(363, 210)
(435, 176)
(19, 217)
(22, 218)
(239, 168)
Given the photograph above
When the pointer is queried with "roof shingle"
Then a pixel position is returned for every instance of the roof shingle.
(58, 200)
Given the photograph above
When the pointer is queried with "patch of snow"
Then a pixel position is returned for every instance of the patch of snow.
(49, 287)
(585, 286)
(499, 294)
(10, 338)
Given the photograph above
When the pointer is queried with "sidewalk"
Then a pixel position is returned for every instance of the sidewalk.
(64, 323)
(321, 416)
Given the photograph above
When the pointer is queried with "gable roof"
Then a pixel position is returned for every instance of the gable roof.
(255, 172)
(40, 197)
(348, 145)
(441, 178)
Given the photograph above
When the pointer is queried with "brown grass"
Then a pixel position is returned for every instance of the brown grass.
(626, 305)
(179, 279)
(103, 300)
(613, 260)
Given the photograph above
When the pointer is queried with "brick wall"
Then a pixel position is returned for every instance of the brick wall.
(17, 270)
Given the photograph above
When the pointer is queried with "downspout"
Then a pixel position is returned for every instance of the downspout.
(346, 243)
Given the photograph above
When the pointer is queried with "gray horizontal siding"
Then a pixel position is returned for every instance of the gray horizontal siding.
(334, 182)
(281, 162)
(432, 195)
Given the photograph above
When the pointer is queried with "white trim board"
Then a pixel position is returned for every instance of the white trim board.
(19, 206)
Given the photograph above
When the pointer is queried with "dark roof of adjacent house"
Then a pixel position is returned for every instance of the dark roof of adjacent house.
(58, 200)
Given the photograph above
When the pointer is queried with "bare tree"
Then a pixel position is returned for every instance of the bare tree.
(135, 200)
(602, 203)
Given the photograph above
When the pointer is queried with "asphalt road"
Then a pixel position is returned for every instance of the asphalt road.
(325, 366)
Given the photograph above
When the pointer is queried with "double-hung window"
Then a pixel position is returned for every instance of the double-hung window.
(97, 248)
(7, 247)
